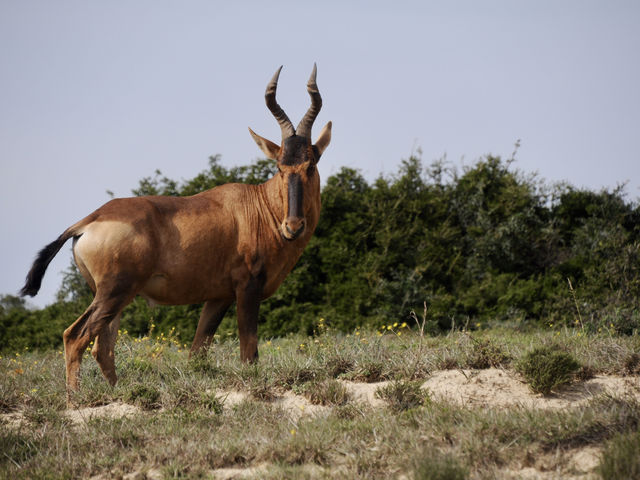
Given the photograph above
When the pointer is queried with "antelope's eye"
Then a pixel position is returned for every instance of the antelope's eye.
(310, 169)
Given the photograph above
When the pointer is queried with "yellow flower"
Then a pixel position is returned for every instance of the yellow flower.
(389, 327)
(395, 325)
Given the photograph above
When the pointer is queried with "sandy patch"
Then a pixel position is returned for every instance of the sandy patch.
(12, 420)
(502, 388)
(150, 474)
(231, 398)
(238, 473)
(365, 392)
(585, 459)
(112, 410)
(295, 405)
(575, 464)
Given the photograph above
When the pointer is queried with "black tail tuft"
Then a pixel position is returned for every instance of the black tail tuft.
(34, 277)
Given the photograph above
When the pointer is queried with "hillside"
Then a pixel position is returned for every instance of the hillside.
(363, 405)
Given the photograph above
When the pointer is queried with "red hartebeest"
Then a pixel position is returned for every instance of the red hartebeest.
(232, 243)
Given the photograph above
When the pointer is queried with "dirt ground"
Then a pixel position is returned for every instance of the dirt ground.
(473, 388)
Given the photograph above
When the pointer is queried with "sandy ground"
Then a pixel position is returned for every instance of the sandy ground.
(473, 388)
(502, 388)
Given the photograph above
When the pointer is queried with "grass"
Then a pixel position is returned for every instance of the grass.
(327, 392)
(621, 458)
(187, 428)
(546, 368)
(403, 395)
(439, 467)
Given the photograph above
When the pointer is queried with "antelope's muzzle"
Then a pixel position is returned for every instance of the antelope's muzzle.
(294, 223)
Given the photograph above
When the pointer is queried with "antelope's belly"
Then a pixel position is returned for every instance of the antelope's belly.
(171, 289)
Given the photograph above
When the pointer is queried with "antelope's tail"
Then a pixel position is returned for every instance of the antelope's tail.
(34, 277)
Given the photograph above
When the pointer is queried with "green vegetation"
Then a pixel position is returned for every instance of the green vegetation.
(546, 368)
(188, 423)
(621, 458)
(435, 466)
(482, 246)
(507, 272)
(403, 395)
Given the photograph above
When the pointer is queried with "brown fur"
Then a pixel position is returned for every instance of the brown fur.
(232, 243)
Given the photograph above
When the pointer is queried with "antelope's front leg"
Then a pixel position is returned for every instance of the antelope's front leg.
(248, 302)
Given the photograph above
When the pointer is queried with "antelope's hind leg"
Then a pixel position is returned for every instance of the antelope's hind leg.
(103, 350)
(75, 343)
(101, 317)
(212, 314)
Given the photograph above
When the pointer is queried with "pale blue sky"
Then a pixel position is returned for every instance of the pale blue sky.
(96, 95)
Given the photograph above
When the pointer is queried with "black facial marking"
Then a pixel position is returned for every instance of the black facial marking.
(294, 150)
(295, 195)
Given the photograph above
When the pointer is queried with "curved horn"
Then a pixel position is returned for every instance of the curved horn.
(304, 128)
(270, 98)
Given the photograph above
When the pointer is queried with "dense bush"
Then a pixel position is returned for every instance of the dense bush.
(486, 243)
(547, 367)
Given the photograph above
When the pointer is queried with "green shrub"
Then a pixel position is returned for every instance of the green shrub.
(545, 368)
(621, 458)
(487, 354)
(439, 467)
(403, 394)
(328, 392)
(338, 365)
(484, 242)
(143, 395)
(261, 389)
(632, 364)
(370, 371)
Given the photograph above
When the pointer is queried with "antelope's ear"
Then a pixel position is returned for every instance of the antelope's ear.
(324, 138)
(270, 149)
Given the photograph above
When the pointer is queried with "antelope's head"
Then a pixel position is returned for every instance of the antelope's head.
(297, 158)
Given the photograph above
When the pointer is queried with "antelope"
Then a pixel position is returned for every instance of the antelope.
(232, 243)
